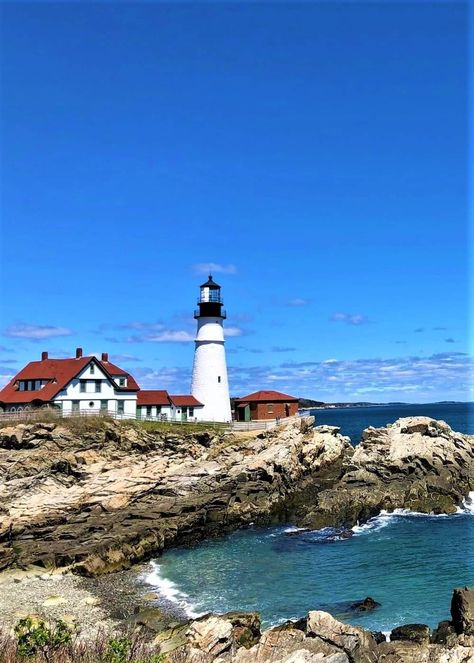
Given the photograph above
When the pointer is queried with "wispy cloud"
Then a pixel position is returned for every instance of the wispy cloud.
(436, 377)
(214, 268)
(124, 358)
(281, 348)
(440, 328)
(170, 336)
(3, 348)
(234, 331)
(449, 340)
(349, 318)
(419, 330)
(174, 379)
(298, 301)
(36, 332)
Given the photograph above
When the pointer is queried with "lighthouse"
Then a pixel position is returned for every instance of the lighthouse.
(209, 383)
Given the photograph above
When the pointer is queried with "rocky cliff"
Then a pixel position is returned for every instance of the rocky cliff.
(105, 498)
(415, 463)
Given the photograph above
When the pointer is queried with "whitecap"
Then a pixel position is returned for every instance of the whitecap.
(387, 517)
(467, 505)
(170, 591)
(293, 528)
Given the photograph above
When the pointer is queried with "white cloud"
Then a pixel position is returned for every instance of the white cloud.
(233, 331)
(171, 336)
(214, 268)
(349, 318)
(36, 332)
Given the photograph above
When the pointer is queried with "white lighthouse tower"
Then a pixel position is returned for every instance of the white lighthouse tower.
(209, 384)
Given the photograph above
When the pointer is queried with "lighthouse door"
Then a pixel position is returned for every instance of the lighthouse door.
(184, 414)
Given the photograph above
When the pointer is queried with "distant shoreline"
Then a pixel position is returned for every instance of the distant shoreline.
(342, 406)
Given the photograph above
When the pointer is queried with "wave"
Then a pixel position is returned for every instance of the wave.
(467, 505)
(169, 591)
(387, 517)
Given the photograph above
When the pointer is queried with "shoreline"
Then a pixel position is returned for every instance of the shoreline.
(116, 603)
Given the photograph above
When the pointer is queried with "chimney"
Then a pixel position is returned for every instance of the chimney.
(105, 356)
(78, 353)
(44, 356)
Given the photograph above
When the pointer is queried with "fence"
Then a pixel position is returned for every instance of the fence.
(52, 414)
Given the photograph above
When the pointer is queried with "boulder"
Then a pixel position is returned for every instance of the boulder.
(462, 610)
(418, 633)
(366, 605)
(358, 644)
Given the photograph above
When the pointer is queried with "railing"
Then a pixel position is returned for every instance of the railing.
(51, 414)
(48, 414)
(260, 425)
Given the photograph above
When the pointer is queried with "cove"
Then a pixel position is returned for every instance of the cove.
(408, 562)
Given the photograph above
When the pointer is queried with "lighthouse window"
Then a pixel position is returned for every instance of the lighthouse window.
(218, 378)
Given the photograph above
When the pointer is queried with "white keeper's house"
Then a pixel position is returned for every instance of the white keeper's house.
(91, 385)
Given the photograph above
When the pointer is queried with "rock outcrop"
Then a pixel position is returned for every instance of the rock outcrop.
(317, 638)
(416, 463)
(103, 499)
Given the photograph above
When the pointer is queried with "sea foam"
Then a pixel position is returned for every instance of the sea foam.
(387, 517)
(467, 505)
(169, 591)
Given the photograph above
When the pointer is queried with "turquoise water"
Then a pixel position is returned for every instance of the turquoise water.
(409, 563)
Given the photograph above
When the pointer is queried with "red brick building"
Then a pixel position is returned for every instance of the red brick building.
(265, 405)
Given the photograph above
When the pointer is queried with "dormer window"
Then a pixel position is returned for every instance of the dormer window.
(122, 382)
(31, 385)
(92, 369)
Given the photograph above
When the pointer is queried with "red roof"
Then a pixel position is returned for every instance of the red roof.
(266, 396)
(185, 401)
(59, 372)
(153, 397)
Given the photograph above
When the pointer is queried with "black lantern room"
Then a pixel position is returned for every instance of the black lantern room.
(210, 301)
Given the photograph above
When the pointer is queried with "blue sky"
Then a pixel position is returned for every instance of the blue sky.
(315, 154)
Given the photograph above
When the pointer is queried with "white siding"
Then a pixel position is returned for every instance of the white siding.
(209, 383)
(90, 398)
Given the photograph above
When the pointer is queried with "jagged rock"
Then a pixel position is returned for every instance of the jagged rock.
(416, 463)
(462, 610)
(102, 499)
(419, 633)
(358, 644)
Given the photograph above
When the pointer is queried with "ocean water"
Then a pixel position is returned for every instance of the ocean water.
(407, 562)
(353, 420)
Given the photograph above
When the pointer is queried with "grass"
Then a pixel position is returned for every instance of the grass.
(129, 648)
(94, 423)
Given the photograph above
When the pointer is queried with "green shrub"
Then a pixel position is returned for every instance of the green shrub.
(36, 638)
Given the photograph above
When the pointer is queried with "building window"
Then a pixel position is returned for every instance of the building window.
(148, 411)
(120, 407)
(92, 369)
(75, 406)
(82, 386)
(218, 378)
(270, 408)
(158, 410)
(22, 386)
(122, 382)
(191, 412)
(91, 403)
(104, 405)
(98, 386)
